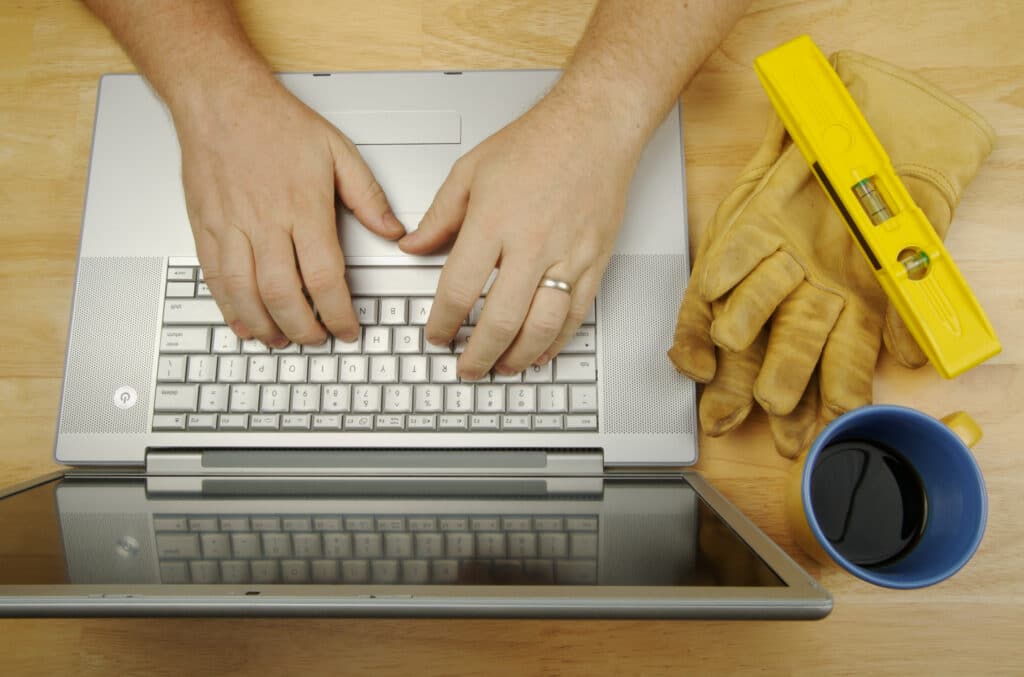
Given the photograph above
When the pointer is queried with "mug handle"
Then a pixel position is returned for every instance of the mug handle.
(965, 427)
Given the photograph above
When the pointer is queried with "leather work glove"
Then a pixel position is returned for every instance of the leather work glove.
(780, 287)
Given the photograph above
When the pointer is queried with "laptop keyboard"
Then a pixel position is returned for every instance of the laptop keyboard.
(391, 549)
(390, 379)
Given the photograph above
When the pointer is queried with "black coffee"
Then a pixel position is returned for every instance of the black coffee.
(869, 502)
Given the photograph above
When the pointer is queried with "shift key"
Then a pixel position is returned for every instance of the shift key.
(192, 311)
(177, 546)
(575, 368)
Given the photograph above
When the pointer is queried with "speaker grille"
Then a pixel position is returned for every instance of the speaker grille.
(638, 303)
(111, 344)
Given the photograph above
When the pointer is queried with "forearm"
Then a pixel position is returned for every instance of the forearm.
(636, 56)
(187, 49)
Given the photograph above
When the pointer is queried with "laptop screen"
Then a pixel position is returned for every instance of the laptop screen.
(399, 531)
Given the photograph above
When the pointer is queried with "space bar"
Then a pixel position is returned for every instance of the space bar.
(192, 311)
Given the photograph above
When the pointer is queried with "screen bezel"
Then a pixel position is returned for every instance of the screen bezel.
(800, 596)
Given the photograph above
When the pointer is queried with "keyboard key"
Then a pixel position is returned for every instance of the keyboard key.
(295, 422)
(213, 397)
(202, 368)
(322, 349)
(453, 524)
(583, 341)
(233, 422)
(539, 571)
(522, 545)
(475, 571)
(170, 524)
(231, 368)
(192, 311)
(202, 524)
(548, 523)
(419, 310)
(553, 544)
(277, 545)
(452, 422)
(274, 398)
(171, 369)
(355, 571)
(458, 398)
(444, 571)
(204, 572)
(475, 312)
(305, 398)
(515, 422)
(510, 378)
(575, 368)
(337, 545)
(365, 398)
(356, 422)
(246, 546)
(483, 422)
(384, 571)
(202, 421)
(442, 369)
(348, 347)
(384, 369)
(407, 340)
(582, 545)
(389, 422)
(176, 398)
(398, 398)
(323, 369)
(254, 346)
(234, 523)
(185, 340)
(262, 369)
(422, 524)
(413, 369)
(244, 398)
(428, 398)
(327, 523)
(181, 274)
(548, 422)
(234, 571)
(215, 546)
(458, 545)
(490, 398)
(327, 422)
(290, 349)
(368, 546)
(336, 398)
(576, 572)
(392, 311)
(462, 339)
(507, 571)
(397, 546)
(225, 340)
(581, 524)
(325, 571)
(266, 524)
(203, 291)
(377, 340)
(538, 373)
(265, 571)
(421, 422)
(551, 399)
(177, 546)
(581, 422)
(515, 524)
(366, 310)
(522, 399)
(169, 421)
(265, 422)
(353, 369)
(490, 545)
(292, 369)
(306, 545)
(429, 546)
(415, 571)
(583, 398)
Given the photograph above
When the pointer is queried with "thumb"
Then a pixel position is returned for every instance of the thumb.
(900, 342)
(445, 216)
(359, 190)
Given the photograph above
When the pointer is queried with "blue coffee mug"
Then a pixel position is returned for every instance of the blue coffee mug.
(954, 488)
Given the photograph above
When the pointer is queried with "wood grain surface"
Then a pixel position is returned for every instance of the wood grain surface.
(51, 55)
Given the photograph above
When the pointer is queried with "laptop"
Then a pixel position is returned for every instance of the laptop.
(211, 475)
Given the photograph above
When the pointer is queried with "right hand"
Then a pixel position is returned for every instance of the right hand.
(260, 172)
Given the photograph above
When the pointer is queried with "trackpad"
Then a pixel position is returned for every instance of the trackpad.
(410, 176)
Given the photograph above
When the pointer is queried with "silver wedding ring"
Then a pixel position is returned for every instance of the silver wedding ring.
(552, 283)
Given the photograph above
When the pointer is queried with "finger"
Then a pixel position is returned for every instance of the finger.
(359, 190)
(800, 327)
(793, 432)
(583, 294)
(209, 261)
(508, 301)
(281, 289)
(544, 320)
(692, 351)
(322, 265)
(463, 277)
(729, 398)
(241, 289)
(750, 305)
(848, 362)
(900, 343)
(445, 215)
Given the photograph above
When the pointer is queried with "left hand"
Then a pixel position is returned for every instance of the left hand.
(543, 197)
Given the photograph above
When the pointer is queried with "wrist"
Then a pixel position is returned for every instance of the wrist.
(218, 91)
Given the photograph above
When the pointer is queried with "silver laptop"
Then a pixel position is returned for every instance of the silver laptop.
(214, 475)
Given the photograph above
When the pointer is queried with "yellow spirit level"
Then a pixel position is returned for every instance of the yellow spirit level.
(907, 256)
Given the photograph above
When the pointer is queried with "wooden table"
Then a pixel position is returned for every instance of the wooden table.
(53, 51)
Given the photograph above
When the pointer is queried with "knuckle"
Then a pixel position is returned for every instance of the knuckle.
(504, 329)
(275, 290)
(461, 297)
(320, 280)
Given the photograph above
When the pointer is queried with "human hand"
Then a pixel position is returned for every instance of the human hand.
(260, 172)
(542, 198)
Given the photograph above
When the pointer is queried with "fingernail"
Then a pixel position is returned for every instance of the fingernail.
(438, 340)
(279, 342)
(504, 370)
(542, 360)
(393, 225)
(241, 331)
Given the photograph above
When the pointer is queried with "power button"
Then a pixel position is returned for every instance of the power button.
(125, 397)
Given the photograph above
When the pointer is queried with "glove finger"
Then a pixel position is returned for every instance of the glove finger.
(800, 327)
(793, 432)
(692, 351)
(848, 361)
(728, 399)
(752, 303)
(900, 342)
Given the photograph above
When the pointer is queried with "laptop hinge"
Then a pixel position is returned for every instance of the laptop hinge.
(375, 462)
